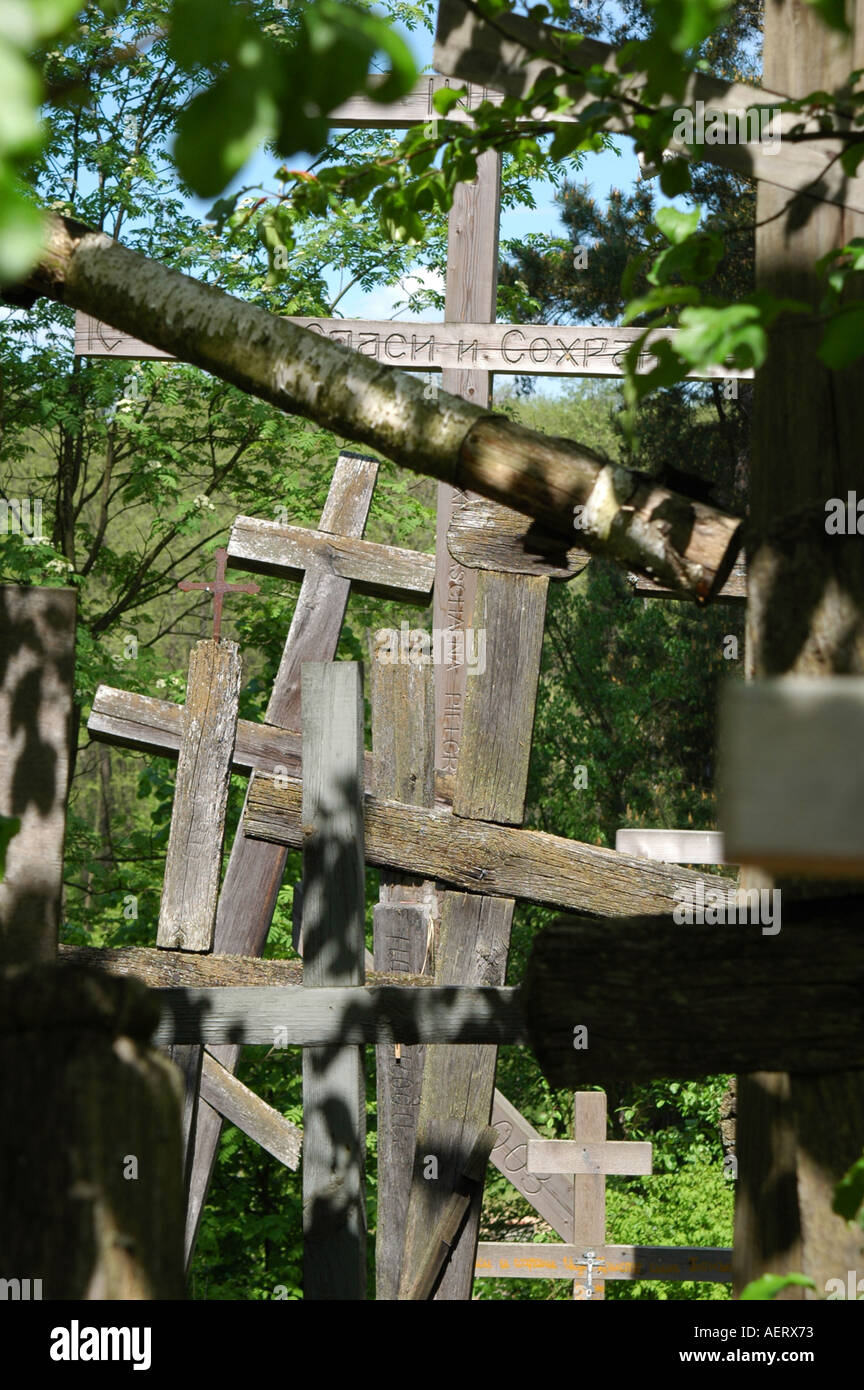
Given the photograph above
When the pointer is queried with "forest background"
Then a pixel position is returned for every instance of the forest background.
(140, 469)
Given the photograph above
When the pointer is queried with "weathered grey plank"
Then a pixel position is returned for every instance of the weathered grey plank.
(470, 295)
(446, 1230)
(292, 1016)
(334, 901)
(550, 1195)
(673, 846)
(792, 796)
(243, 1108)
(37, 657)
(190, 890)
(589, 1190)
(509, 613)
(470, 48)
(164, 970)
(458, 346)
(403, 925)
(486, 536)
(722, 1002)
(269, 547)
(254, 873)
(508, 1260)
(589, 1159)
(495, 859)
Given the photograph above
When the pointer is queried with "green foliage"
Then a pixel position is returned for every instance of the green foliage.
(771, 1284)
(849, 1193)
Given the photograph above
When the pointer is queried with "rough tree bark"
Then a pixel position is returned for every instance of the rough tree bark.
(673, 539)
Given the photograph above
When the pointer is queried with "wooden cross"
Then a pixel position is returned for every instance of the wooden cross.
(218, 588)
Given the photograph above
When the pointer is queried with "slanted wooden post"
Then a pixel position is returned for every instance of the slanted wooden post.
(402, 753)
(805, 615)
(334, 900)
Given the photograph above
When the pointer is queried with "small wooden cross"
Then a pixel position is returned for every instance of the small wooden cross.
(218, 588)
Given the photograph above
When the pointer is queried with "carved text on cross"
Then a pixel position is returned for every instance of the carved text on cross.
(218, 588)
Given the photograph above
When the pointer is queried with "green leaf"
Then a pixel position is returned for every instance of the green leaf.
(21, 231)
(832, 13)
(20, 94)
(9, 827)
(447, 97)
(709, 335)
(222, 128)
(849, 1192)
(675, 177)
(843, 339)
(677, 226)
(771, 1284)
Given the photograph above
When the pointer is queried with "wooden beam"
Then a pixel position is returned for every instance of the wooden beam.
(243, 1108)
(445, 1233)
(37, 660)
(470, 48)
(727, 999)
(404, 938)
(589, 1159)
(178, 969)
(266, 547)
(193, 866)
(508, 1260)
(334, 910)
(792, 796)
(499, 860)
(589, 1189)
(325, 1017)
(506, 349)
(485, 536)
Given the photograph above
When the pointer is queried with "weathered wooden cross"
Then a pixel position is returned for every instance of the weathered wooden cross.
(218, 588)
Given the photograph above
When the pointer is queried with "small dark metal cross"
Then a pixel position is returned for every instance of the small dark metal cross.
(218, 588)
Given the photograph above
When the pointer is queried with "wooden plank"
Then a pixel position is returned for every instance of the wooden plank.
(267, 547)
(798, 1135)
(334, 903)
(508, 1260)
(414, 109)
(589, 1190)
(673, 846)
(325, 1017)
(733, 590)
(243, 1108)
(190, 891)
(37, 656)
(550, 1194)
(403, 934)
(162, 970)
(470, 295)
(254, 873)
(470, 48)
(496, 859)
(586, 1160)
(485, 536)
(507, 349)
(793, 797)
(447, 1228)
(726, 999)
(455, 1099)
(509, 613)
